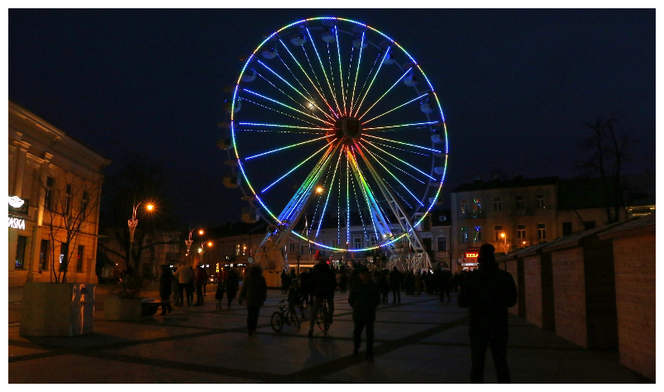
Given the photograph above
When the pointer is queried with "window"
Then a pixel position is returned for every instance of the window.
(497, 204)
(357, 241)
(541, 231)
(589, 225)
(84, 203)
(68, 200)
(292, 247)
(303, 249)
(567, 229)
(20, 252)
(540, 202)
(477, 207)
(238, 249)
(521, 232)
(499, 231)
(43, 255)
(48, 199)
(79, 258)
(464, 206)
(442, 244)
(442, 218)
(464, 234)
(520, 205)
(64, 252)
(244, 249)
(477, 235)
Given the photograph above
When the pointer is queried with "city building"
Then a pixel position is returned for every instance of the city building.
(54, 193)
(518, 213)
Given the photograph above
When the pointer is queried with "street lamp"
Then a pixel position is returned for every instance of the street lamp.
(506, 246)
(133, 222)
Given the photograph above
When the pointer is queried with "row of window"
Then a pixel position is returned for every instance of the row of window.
(475, 207)
(44, 251)
(52, 199)
(501, 234)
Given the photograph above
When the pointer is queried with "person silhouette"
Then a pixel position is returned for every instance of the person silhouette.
(488, 291)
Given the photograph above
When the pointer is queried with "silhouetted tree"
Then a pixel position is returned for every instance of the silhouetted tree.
(608, 151)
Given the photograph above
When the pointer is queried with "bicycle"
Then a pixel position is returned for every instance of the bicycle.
(285, 315)
(323, 320)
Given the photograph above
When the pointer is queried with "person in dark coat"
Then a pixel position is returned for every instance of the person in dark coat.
(488, 292)
(165, 289)
(395, 285)
(200, 280)
(254, 291)
(323, 282)
(232, 285)
(364, 298)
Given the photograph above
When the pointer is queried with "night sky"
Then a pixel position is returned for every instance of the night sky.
(516, 86)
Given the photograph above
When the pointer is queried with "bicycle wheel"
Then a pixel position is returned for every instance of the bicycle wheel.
(277, 321)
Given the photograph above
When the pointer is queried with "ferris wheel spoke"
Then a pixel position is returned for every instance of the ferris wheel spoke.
(282, 91)
(380, 179)
(395, 108)
(357, 72)
(286, 106)
(284, 148)
(307, 97)
(330, 189)
(341, 72)
(403, 149)
(384, 94)
(322, 67)
(359, 208)
(333, 83)
(380, 66)
(401, 160)
(404, 143)
(280, 112)
(400, 126)
(285, 126)
(318, 87)
(375, 213)
(296, 167)
(298, 202)
(378, 157)
(395, 177)
(308, 78)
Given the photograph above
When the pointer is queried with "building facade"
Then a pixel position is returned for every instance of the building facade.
(519, 213)
(54, 193)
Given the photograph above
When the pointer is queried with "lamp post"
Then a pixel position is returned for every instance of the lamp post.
(506, 246)
(132, 223)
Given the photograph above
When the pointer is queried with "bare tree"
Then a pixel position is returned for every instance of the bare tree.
(67, 207)
(608, 151)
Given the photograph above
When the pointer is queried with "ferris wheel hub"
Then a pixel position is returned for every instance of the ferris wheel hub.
(346, 129)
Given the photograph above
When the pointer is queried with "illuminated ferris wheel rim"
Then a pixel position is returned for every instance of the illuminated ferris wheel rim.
(241, 166)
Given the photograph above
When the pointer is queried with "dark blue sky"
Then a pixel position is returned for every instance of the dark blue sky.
(516, 86)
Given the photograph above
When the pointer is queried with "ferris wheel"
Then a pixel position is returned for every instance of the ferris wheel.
(335, 125)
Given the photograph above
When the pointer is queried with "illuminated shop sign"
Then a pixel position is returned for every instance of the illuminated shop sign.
(471, 255)
(16, 223)
(18, 205)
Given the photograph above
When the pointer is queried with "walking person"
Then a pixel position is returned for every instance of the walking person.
(254, 291)
(184, 275)
(395, 285)
(200, 280)
(189, 288)
(175, 289)
(323, 282)
(219, 294)
(232, 285)
(165, 289)
(488, 292)
(364, 298)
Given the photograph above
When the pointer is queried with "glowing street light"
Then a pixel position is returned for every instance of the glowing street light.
(133, 222)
